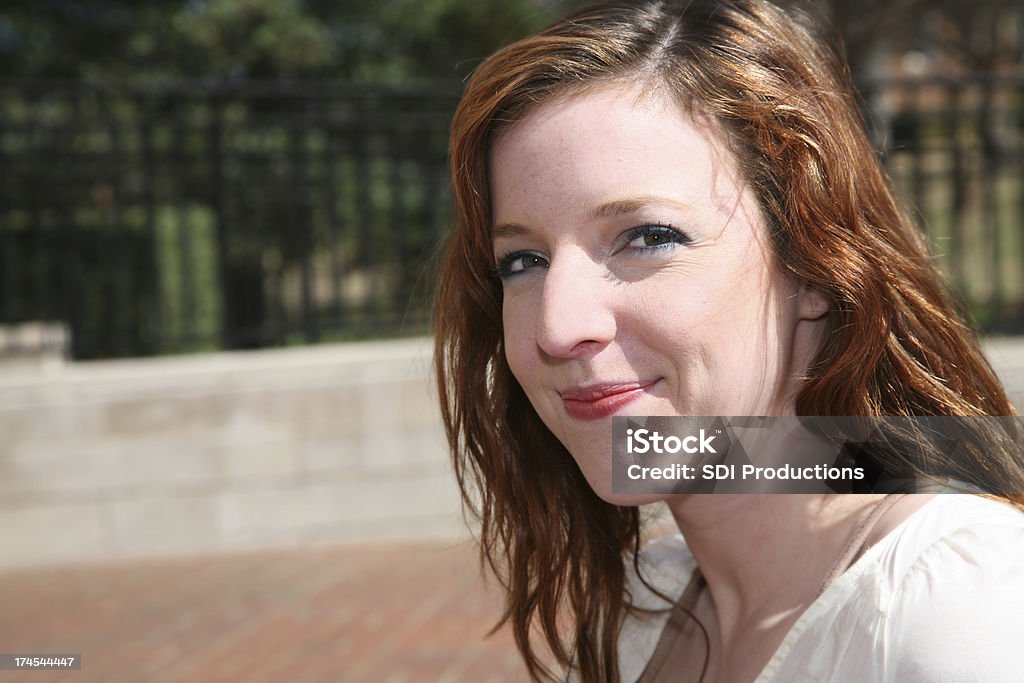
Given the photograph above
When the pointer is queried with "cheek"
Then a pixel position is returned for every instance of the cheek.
(518, 335)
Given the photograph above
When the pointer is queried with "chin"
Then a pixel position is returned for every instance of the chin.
(631, 499)
(603, 489)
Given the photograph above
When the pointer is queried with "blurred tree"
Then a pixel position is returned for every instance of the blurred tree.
(439, 38)
(972, 36)
(412, 39)
(252, 39)
(68, 38)
(257, 39)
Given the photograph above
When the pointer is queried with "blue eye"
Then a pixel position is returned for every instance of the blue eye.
(518, 262)
(650, 237)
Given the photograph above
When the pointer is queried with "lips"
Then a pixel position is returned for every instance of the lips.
(601, 400)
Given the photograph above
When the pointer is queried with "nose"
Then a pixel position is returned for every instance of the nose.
(576, 318)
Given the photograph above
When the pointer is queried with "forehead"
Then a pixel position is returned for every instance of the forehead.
(606, 143)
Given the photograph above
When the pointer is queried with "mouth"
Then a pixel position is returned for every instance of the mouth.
(602, 400)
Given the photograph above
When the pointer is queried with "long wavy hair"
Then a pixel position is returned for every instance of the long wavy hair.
(781, 96)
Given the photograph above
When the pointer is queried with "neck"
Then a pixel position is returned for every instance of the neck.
(764, 557)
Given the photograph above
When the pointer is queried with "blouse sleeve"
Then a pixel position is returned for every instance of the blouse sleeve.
(958, 613)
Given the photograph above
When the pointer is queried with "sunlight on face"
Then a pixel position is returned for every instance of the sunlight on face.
(636, 271)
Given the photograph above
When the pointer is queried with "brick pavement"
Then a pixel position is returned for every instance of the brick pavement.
(406, 613)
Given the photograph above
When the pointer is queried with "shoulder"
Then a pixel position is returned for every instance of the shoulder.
(953, 592)
(955, 538)
(655, 580)
(940, 598)
(662, 569)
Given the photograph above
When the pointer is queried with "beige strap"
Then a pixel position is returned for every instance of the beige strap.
(858, 541)
(677, 618)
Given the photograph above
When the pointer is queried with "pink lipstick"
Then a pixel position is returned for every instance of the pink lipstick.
(601, 400)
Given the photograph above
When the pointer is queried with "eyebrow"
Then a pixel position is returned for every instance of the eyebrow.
(508, 230)
(617, 207)
(622, 207)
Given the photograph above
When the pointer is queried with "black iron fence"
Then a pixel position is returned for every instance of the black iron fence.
(165, 218)
(955, 147)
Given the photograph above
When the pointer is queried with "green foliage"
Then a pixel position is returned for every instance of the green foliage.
(189, 298)
(430, 38)
(254, 38)
(393, 40)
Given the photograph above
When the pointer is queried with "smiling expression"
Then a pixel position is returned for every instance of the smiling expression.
(636, 272)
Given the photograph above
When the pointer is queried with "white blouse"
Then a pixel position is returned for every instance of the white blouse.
(940, 598)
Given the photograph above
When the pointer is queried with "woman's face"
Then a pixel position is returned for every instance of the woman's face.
(637, 273)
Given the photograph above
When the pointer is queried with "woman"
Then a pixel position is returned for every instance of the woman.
(673, 209)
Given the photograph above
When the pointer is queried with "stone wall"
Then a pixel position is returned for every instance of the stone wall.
(222, 451)
(229, 451)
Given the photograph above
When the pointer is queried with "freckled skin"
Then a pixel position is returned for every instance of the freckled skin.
(637, 253)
